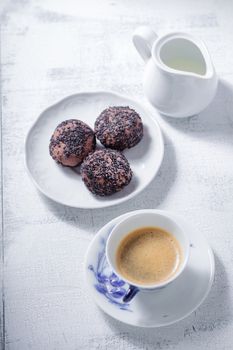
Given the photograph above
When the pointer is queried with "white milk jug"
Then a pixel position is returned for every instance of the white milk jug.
(179, 78)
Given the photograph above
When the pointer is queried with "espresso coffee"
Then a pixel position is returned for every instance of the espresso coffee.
(148, 255)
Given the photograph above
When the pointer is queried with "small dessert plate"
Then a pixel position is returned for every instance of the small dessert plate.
(64, 185)
(151, 308)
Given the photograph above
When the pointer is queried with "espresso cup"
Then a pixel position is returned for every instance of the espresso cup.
(134, 222)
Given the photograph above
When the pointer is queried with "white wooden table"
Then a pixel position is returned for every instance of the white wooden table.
(50, 49)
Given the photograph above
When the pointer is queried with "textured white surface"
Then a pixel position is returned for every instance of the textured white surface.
(51, 49)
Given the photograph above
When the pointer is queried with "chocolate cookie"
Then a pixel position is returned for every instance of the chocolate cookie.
(119, 128)
(105, 172)
(71, 142)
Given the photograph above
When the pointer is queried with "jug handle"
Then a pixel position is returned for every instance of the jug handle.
(143, 39)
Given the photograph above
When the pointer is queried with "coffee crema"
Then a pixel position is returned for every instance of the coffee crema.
(148, 255)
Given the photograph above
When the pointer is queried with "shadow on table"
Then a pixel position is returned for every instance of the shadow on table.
(151, 197)
(216, 119)
(212, 315)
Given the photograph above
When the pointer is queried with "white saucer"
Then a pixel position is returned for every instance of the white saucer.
(151, 309)
(64, 185)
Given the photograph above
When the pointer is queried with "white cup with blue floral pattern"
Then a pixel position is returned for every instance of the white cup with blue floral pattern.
(133, 223)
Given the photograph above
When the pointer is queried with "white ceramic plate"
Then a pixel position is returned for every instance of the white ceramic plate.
(64, 185)
(151, 308)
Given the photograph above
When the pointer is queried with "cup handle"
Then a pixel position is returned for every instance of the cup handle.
(131, 292)
(143, 39)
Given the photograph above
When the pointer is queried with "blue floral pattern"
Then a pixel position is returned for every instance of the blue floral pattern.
(108, 283)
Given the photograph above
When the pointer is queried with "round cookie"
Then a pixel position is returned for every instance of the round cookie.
(71, 142)
(119, 128)
(105, 172)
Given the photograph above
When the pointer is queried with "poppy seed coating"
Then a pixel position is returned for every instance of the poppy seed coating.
(119, 128)
(71, 142)
(105, 172)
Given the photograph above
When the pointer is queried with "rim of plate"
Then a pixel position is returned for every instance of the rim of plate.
(100, 204)
(169, 214)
